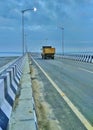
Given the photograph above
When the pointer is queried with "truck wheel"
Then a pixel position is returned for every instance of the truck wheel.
(52, 57)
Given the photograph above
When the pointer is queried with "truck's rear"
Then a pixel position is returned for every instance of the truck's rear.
(48, 52)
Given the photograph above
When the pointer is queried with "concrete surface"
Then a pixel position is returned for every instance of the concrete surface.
(23, 115)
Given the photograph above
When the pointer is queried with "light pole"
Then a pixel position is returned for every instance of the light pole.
(23, 11)
(62, 28)
(25, 43)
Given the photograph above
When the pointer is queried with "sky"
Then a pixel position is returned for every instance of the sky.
(43, 27)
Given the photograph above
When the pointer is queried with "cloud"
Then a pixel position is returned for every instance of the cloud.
(34, 28)
(48, 11)
(6, 28)
(75, 15)
(52, 11)
(40, 28)
(16, 3)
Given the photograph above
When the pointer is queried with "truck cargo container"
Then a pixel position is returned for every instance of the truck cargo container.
(48, 52)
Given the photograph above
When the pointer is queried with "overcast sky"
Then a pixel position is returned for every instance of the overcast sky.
(42, 26)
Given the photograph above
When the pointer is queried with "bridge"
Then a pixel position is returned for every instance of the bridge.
(53, 94)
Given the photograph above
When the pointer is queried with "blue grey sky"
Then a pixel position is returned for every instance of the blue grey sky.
(42, 26)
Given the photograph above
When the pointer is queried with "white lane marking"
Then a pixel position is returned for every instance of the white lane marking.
(86, 70)
(67, 100)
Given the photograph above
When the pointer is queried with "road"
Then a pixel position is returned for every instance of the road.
(74, 80)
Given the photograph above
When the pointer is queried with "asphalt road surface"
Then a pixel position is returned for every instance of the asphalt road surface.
(74, 80)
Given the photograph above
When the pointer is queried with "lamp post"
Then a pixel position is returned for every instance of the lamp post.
(25, 43)
(62, 28)
(23, 11)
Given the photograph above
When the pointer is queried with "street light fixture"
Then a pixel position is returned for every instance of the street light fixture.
(62, 28)
(23, 11)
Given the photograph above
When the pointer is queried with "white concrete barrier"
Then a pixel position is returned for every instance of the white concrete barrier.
(1, 90)
(9, 81)
(83, 58)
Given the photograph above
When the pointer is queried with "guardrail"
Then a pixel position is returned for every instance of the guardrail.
(9, 81)
(82, 58)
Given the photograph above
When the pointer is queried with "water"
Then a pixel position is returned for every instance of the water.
(59, 53)
(6, 60)
(77, 53)
(10, 54)
(6, 57)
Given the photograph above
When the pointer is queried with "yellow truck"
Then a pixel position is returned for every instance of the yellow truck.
(48, 52)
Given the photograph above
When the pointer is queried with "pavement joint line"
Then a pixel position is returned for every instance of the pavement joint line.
(29, 119)
(25, 99)
(86, 70)
(67, 100)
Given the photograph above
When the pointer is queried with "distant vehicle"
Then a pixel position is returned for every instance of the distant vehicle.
(48, 52)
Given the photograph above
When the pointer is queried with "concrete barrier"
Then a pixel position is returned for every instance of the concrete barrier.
(24, 117)
(9, 81)
(82, 58)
